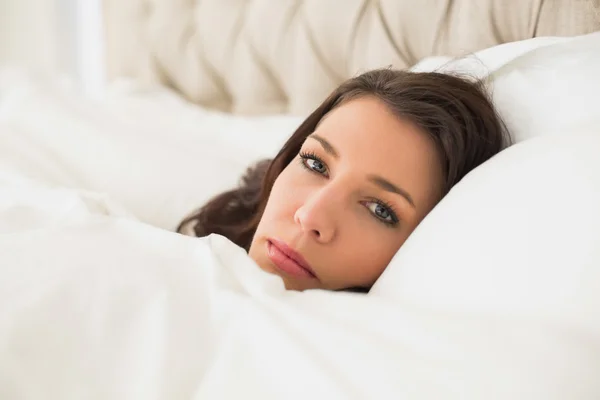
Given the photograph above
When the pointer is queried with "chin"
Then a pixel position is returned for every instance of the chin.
(290, 283)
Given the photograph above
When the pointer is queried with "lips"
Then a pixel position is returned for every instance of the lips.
(288, 260)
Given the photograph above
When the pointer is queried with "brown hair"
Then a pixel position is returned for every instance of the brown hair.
(456, 112)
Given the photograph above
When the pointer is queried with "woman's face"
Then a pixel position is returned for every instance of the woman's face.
(341, 209)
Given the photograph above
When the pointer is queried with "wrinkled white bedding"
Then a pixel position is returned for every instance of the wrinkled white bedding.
(97, 301)
(151, 152)
(99, 306)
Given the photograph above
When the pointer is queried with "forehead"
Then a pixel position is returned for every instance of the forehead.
(371, 139)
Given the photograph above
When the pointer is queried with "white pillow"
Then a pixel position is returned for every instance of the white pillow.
(483, 62)
(534, 79)
(521, 233)
(519, 237)
(553, 88)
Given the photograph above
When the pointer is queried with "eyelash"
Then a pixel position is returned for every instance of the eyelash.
(390, 209)
(310, 156)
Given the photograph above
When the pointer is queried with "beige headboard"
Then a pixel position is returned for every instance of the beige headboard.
(274, 56)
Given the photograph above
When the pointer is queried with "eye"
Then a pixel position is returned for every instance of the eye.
(316, 166)
(313, 163)
(383, 212)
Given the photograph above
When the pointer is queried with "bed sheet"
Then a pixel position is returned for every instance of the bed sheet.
(149, 150)
(97, 305)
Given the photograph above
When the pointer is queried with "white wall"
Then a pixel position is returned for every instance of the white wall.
(90, 64)
(28, 34)
(55, 37)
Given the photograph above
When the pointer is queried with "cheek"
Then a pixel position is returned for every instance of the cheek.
(372, 248)
(284, 198)
(372, 252)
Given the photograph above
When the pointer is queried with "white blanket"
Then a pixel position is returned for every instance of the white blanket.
(100, 306)
(151, 152)
(97, 301)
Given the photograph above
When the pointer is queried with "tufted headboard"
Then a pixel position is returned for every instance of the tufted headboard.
(285, 56)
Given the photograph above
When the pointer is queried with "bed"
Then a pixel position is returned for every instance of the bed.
(495, 295)
(261, 57)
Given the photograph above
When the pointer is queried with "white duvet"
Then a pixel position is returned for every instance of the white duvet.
(100, 306)
(99, 301)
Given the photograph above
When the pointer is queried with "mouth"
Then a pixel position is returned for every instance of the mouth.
(288, 260)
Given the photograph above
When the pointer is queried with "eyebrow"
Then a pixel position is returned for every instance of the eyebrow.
(376, 179)
(326, 145)
(390, 187)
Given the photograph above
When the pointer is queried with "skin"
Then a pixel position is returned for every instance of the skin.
(328, 210)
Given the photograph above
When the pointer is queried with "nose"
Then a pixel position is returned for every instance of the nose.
(316, 216)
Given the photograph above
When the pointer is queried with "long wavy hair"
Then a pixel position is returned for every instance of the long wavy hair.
(456, 112)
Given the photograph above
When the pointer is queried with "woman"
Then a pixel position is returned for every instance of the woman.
(356, 178)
